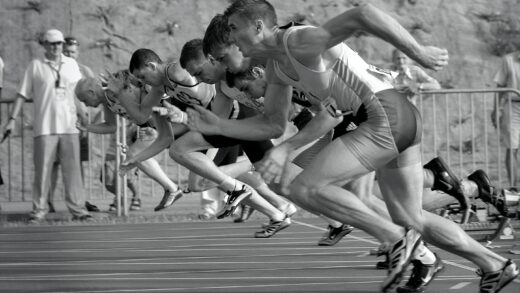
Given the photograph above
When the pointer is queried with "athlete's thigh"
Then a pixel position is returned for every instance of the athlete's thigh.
(401, 184)
(141, 143)
(334, 164)
(190, 142)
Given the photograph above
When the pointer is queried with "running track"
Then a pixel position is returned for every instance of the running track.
(214, 256)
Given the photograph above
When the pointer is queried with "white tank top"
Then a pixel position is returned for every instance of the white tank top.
(242, 98)
(199, 94)
(350, 81)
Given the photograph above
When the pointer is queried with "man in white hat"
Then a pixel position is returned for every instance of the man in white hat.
(50, 82)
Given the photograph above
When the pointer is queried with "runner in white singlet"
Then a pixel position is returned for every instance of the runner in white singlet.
(391, 131)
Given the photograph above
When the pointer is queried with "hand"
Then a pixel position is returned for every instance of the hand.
(274, 167)
(162, 111)
(494, 118)
(8, 129)
(9, 126)
(114, 84)
(433, 57)
(172, 113)
(80, 127)
(203, 121)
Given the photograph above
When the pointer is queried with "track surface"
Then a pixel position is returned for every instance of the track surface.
(213, 256)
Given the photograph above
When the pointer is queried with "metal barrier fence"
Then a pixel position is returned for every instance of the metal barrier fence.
(456, 126)
(17, 169)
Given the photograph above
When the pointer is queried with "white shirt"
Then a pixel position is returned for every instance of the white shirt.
(54, 108)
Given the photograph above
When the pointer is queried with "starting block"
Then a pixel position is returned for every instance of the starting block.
(504, 231)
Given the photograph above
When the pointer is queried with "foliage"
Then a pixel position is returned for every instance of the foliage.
(503, 34)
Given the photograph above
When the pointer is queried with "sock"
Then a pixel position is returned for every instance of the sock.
(424, 255)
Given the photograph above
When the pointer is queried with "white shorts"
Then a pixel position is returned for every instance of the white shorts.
(510, 126)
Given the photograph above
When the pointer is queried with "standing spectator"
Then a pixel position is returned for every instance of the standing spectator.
(410, 79)
(1, 86)
(509, 112)
(1, 76)
(50, 82)
(71, 49)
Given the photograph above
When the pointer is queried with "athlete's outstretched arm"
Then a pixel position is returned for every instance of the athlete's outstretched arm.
(109, 126)
(270, 124)
(370, 19)
(162, 142)
(319, 125)
(141, 111)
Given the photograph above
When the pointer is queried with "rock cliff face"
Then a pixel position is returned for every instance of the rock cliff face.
(110, 30)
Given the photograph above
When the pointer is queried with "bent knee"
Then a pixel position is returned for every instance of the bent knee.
(302, 189)
(176, 152)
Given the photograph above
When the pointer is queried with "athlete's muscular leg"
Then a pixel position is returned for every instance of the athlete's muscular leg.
(315, 188)
(234, 170)
(184, 151)
(254, 180)
(402, 189)
(151, 167)
(363, 188)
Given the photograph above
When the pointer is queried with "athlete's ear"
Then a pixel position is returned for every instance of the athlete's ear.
(151, 65)
(257, 72)
(212, 59)
(259, 25)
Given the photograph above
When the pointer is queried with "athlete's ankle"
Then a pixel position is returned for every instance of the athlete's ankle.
(229, 184)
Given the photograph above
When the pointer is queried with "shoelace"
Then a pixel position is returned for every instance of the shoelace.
(272, 226)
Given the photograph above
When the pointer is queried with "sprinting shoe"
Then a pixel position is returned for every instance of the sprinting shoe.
(205, 216)
(289, 211)
(334, 235)
(383, 265)
(399, 257)
(51, 207)
(246, 212)
(487, 193)
(446, 181)
(382, 250)
(493, 282)
(83, 218)
(35, 219)
(421, 275)
(90, 207)
(135, 205)
(169, 198)
(235, 197)
(272, 228)
(113, 206)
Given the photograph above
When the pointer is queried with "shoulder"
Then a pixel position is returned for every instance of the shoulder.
(300, 35)
(70, 61)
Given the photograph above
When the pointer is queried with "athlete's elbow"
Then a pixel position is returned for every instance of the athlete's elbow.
(276, 130)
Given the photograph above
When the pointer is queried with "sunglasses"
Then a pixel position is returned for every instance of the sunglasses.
(55, 43)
